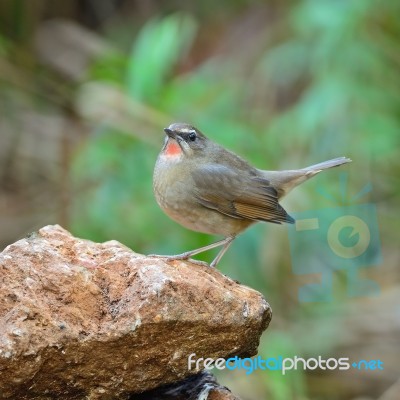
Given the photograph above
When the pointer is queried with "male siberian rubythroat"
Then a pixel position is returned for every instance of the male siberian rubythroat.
(209, 189)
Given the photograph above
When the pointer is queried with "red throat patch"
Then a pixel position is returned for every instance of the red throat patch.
(173, 148)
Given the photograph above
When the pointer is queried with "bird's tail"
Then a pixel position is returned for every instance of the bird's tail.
(285, 181)
(335, 162)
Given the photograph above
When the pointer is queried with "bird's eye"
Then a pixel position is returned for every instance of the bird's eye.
(192, 136)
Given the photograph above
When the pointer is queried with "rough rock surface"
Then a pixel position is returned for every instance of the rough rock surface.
(85, 320)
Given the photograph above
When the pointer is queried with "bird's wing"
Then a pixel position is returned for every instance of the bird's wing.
(238, 194)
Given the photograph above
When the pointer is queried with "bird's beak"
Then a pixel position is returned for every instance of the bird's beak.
(170, 133)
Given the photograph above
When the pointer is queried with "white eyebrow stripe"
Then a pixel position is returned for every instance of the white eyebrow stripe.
(187, 130)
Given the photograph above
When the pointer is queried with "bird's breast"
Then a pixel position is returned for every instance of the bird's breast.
(175, 192)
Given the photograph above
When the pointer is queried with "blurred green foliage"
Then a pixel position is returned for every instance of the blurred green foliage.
(157, 49)
(337, 70)
(341, 57)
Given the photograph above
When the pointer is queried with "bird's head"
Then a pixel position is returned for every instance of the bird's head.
(183, 140)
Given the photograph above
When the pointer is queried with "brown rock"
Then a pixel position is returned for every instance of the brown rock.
(79, 318)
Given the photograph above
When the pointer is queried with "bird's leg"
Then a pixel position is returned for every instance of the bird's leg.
(187, 254)
(228, 240)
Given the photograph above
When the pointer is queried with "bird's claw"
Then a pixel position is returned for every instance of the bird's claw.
(180, 257)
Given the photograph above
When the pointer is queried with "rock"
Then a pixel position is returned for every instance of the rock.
(86, 320)
(196, 387)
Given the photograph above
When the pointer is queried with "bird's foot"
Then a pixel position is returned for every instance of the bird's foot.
(199, 262)
(179, 257)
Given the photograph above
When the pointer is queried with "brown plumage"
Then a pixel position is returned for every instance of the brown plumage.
(209, 189)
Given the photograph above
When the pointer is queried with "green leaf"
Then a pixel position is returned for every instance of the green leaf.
(161, 43)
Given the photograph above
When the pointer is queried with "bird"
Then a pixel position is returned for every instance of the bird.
(209, 189)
